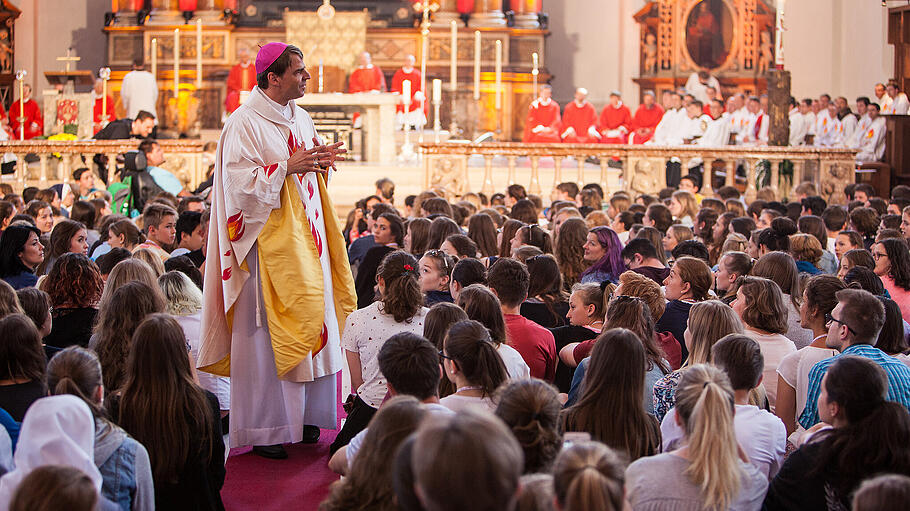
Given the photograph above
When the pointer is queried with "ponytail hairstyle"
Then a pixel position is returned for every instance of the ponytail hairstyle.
(402, 298)
(589, 475)
(468, 345)
(435, 326)
(705, 405)
(535, 236)
(697, 274)
(738, 263)
(777, 237)
(866, 445)
(530, 408)
(591, 294)
(482, 305)
(76, 371)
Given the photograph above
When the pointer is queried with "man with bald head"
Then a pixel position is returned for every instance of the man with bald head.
(242, 78)
(367, 77)
(579, 120)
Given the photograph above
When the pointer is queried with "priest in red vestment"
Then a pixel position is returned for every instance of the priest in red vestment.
(367, 77)
(241, 78)
(646, 119)
(579, 120)
(414, 116)
(615, 120)
(33, 119)
(543, 121)
(99, 120)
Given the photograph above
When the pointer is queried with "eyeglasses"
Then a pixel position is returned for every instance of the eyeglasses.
(439, 254)
(829, 318)
(878, 255)
(443, 355)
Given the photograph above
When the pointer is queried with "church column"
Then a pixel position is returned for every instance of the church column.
(488, 13)
(165, 12)
(446, 13)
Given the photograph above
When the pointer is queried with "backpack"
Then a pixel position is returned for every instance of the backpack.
(122, 197)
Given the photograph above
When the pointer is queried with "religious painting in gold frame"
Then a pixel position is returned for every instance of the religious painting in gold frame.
(709, 33)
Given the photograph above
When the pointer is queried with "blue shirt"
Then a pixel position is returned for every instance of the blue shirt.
(167, 181)
(898, 379)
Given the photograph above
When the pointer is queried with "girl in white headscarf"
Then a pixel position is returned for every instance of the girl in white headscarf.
(57, 430)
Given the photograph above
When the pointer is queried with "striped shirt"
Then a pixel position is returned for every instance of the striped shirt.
(898, 379)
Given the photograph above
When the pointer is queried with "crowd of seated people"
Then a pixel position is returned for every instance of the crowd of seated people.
(650, 352)
(674, 351)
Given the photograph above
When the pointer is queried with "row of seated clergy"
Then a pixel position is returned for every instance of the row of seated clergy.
(838, 126)
(580, 123)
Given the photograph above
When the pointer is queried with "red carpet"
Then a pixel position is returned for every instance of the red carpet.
(300, 482)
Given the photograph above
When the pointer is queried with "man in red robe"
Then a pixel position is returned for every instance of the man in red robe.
(646, 119)
(366, 77)
(543, 120)
(615, 120)
(100, 121)
(579, 120)
(415, 116)
(241, 78)
(33, 121)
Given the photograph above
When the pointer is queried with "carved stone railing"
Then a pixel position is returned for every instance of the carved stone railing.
(643, 166)
(58, 158)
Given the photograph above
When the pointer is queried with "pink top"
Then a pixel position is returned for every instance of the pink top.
(898, 294)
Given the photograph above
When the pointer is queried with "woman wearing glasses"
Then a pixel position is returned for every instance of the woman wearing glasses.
(892, 264)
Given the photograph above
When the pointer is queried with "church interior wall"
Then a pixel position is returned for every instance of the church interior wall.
(47, 28)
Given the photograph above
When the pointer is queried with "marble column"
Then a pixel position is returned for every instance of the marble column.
(446, 13)
(526, 13)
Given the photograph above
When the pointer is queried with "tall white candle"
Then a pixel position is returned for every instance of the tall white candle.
(453, 61)
(498, 74)
(476, 65)
(406, 94)
(437, 90)
(320, 76)
(198, 53)
(779, 35)
(155, 58)
(176, 61)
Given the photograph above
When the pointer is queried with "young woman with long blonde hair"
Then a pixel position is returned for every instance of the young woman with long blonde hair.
(709, 471)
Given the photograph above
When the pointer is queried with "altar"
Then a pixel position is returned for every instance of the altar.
(378, 123)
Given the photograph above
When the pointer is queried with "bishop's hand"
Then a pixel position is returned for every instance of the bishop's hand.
(309, 160)
(335, 150)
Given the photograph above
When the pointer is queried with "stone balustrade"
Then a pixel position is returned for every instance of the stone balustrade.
(57, 159)
(643, 166)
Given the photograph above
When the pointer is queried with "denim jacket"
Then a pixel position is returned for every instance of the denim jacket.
(125, 468)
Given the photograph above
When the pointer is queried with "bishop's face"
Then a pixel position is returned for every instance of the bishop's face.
(292, 84)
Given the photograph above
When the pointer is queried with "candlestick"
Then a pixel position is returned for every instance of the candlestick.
(320, 76)
(437, 90)
(198, 53)
(105, 74)
(476, 65)
(779, 36)
(406, 94)
(424, 49)
(176, 61)
(155, 58)
(453, 61)
(534, 71)
(20, 75)
(437, 99)
(498, 74)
